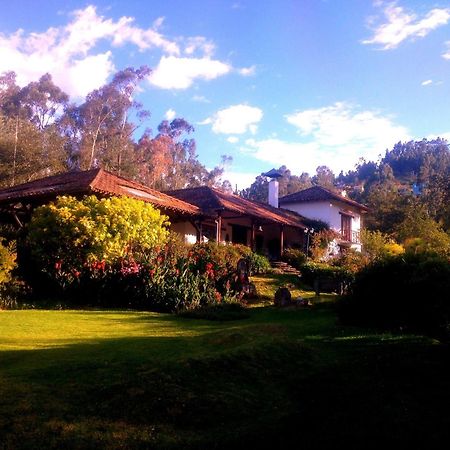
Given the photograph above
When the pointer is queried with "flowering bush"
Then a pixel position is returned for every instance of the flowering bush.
(117, 253)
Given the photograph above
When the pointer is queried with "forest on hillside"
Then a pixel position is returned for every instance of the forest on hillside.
(43, 133)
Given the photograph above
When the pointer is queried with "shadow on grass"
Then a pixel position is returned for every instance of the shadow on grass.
(281, 380)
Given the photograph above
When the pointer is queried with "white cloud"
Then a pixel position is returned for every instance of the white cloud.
(199, 44)
(233, 139)
(401, 25)
(180, 73)
(236, 119)
(67, 52)
(446, 54)
(336, 135)
(247, 71)
(240, 179)
(426, 82)
(170, 114)
(70, 53)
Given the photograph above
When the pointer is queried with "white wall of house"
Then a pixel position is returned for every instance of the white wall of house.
(329, 211)
(185, 229)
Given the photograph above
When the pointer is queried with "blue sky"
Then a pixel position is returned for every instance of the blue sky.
(301, 83)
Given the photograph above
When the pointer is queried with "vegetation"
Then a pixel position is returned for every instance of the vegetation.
(407, 292)
(42, 133)
(115, 379)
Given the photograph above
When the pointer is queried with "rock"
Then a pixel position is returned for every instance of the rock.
(302, 302)
(282, 297)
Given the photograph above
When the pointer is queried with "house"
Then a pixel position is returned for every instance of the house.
(198, 214)
(17, 202)
(230, 218)
(341, 213)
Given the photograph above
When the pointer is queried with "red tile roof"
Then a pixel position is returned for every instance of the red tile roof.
(212, 200)
(319, 193)
(95, 181)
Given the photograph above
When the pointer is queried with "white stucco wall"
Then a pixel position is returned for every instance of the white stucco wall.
(327, 211)
(185, 229)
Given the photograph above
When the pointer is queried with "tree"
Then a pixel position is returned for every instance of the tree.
(99, 130)
(288, 184)
(30, 143)
(324, 177)
(169, 160)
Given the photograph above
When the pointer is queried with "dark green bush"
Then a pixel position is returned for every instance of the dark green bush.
(409, 292)
(295, 257)
(313, 270)
(258, 263)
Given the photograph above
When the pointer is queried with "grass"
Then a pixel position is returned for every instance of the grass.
(279, 379)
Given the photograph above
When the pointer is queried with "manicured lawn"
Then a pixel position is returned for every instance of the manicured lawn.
(279, 379)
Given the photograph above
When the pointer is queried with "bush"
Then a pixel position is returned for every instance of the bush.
(406, 291)
(68, 236)
(313, 270)
(295, 257)
(258, 263)
(7, 261)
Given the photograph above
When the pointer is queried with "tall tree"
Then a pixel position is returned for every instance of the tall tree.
(100, 130)
(31, 146)
(169, 160)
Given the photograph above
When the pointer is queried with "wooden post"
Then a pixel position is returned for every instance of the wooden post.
(281, 240)
(219, 228)
(252, 237)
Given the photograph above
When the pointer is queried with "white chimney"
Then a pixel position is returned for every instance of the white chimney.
(273, 186)
(273, 192)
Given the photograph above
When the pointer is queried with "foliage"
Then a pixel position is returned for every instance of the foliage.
(420, 233)
(288, 184)
(258, 264)
(377, 245)
(7, 261)
(68, 235)
(312, 271)
(320, 242)
(295, 257)
(407, 291)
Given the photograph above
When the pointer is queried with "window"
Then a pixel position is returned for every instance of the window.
(346, 227)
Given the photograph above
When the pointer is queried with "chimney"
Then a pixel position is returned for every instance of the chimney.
(273, 192)
(273, 186)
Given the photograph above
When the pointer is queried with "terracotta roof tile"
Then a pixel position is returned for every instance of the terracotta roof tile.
(90, 182)
(319, 193)
(212, 200)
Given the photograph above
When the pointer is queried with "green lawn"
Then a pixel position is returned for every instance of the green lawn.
(279, 379)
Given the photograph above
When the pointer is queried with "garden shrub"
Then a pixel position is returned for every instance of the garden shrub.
(67, 237)
(407, 291)
(295, 257)
(7, 261)
(312, 271)
(258, 264)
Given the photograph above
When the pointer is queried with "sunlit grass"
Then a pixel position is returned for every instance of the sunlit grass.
(127, 379)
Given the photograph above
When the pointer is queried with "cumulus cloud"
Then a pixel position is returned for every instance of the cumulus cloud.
(70, 53)
(401, 25)
(236, 119)
(233, 139)
(336, 135)
(67, 51)
(180, 73)
(426, 82)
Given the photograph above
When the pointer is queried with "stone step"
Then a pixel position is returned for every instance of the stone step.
(284, 267)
